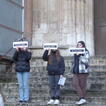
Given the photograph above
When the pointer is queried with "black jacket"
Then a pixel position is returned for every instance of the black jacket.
(21, 60)
(56, 67)
(76, 64)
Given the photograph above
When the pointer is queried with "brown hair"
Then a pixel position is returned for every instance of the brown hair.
(56, 54)
(83, 43)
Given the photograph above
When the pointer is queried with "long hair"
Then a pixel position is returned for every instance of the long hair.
(83, 44)
(53, 55)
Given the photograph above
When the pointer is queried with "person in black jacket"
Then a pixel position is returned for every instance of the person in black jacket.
(55, 68)
(21, 59)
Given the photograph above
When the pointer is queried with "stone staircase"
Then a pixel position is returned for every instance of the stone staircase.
(39, 90)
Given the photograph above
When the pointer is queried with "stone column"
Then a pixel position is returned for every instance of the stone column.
(89, 26)
(62, 21)
(28, 7)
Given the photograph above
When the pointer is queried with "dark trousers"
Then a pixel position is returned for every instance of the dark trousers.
(54, 87)
(79, 83)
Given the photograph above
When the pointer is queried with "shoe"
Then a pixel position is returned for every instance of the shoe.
(51, 102)
(81, 101)
(56, 102)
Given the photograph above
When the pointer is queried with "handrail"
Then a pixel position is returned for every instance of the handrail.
(4, 57)
(5, 60)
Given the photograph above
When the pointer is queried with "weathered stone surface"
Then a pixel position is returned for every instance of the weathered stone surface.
(64, 22)
(39, 89)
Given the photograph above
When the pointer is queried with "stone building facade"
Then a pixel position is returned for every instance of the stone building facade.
(64, 22)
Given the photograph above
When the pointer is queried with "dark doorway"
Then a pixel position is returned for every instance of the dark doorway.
(100, 26)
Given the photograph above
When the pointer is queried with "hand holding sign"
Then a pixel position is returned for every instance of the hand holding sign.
(62, 81)
(49, 46)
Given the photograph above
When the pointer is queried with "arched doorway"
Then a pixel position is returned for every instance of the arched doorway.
(100, 26)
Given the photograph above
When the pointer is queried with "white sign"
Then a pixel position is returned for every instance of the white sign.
(20, 44)
(77, 50)
(62, 81)
(47, 46)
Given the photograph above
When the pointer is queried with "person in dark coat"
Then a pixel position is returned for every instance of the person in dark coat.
(55, 68)
(21, 59)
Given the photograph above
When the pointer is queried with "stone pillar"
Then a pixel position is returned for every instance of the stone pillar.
(89, 26)
(28, 19)
(63, 21)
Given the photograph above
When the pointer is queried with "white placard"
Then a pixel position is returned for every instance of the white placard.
(47, 46)
(20, 44)
(62, 81)
(77, 50)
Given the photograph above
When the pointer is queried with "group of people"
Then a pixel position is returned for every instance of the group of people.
(55, 69)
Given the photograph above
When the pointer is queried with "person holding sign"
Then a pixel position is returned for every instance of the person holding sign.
(80, 70)
(21, 59)
(55, 68)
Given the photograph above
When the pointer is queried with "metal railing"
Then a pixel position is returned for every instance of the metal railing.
(5, 58)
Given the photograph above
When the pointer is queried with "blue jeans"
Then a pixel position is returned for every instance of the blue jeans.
(23, 81)
(54, 87)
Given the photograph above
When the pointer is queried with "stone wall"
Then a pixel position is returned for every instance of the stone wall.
(64, 22)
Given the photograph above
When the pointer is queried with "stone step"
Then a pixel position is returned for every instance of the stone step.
(42, 69)
(44, 85)
(64, 99)
(42, 73)
(68, 68)
(42, 103)
(93, 82)
(39, 80)
(45, 93)
(68, 61)
(39, 89)
(67, 95)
